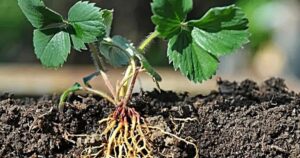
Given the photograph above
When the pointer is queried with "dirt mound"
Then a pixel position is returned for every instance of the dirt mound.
(239, 120)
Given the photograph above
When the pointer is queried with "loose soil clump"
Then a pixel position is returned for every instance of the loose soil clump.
(239, 120)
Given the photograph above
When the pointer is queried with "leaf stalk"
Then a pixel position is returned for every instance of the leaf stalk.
(99, 67)
(147, 41)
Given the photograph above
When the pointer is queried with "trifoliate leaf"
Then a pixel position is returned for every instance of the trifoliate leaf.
(168, 15)
(107, 16)
(52, 47)
(38, 14)
(194, 46)
(87, 22)
(193, 61)
(117, 51)
(221, 30)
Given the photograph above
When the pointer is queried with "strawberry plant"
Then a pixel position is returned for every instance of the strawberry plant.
(194, 48)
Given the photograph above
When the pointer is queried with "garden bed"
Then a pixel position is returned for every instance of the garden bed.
(239, 120)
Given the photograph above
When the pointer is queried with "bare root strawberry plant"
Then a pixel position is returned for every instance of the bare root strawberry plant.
(194, 48)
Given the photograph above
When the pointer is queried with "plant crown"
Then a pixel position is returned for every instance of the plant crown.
(194, 46)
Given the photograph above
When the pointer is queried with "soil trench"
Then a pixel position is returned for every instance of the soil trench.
(238, 120)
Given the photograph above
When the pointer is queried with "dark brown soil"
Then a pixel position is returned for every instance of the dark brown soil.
(239, 120)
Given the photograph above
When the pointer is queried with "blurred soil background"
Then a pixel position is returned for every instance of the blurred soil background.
(274, 49)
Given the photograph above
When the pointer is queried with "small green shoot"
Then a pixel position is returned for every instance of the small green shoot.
(66, 93)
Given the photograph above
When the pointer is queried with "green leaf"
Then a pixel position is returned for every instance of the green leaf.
(220, 43)
(78, 44)
(38, 14)
(87, 23)
(221, 30)
(169, 15)
(146, 65)
(117, 51)
(87, 79)
(52, 47)
(193, 61)
(107, 16)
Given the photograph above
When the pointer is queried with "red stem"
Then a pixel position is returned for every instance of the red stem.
(131, 86)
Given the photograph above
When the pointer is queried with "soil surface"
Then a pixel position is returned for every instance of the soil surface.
(238, 120)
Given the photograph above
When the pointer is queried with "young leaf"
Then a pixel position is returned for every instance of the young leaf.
(146, 65)
(169, 15)
(38, 14)
(221, 30)
(87, 23)
(66, 93)
(193, 61)
(87, 79)
(52, 46)
(107, 16)
(117, 51)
